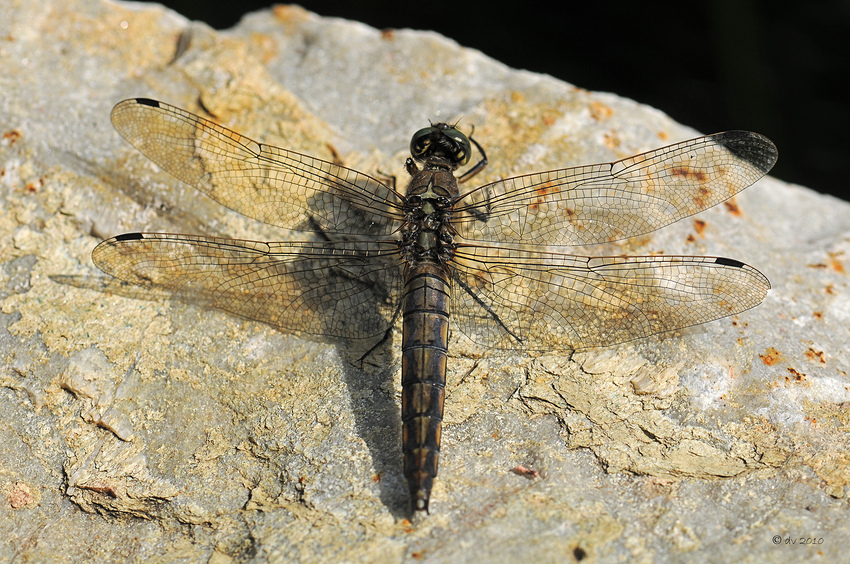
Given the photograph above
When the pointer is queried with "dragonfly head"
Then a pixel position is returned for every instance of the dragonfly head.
(441, 140)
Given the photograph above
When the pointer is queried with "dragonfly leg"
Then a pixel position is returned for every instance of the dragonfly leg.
(493, 315)
(479, 166)
(386, 337)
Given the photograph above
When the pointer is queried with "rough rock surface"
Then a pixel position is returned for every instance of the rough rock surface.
(159, 431)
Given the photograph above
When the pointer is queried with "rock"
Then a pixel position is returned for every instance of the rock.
(200, 435)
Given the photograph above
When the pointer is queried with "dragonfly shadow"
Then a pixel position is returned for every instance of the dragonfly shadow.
(371, 383)
(368, 370)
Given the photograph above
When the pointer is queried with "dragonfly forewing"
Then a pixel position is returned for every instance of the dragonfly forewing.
(273, 185)
(600, 203)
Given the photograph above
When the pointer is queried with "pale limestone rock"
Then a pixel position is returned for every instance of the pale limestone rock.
(232, 440)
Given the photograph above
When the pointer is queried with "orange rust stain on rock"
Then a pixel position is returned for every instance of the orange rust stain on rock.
(612, 141)
(689, 173)
(34, 186)
(699, 227)
(690, 238)
(732, 207)
(702, 197)
(796, 376)
(663, 135)
(815, 356)
(600, 112)
(818, 315)
(542, 191)
(836, 263)
(771, 356)
(11, 136)
(388, 34)
(547, 187)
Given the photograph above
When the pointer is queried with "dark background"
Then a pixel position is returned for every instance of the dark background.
(779, 68)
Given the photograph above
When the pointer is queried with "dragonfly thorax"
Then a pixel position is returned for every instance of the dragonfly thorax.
(426, 234)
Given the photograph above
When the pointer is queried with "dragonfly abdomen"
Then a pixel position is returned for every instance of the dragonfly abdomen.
(423, 375)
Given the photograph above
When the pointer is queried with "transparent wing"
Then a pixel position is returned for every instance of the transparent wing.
(600, 203)
(328, 288)
(523, 299)
(273, 185)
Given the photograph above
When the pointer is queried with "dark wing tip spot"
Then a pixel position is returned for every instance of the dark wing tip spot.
(754, 148)
(147, 102)
(129, 237)
(729, 262)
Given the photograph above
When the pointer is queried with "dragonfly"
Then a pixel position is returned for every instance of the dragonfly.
(494, 259)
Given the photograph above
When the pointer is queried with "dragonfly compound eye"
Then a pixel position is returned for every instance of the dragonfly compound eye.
(420, 143)
(460, 142)
(441, 140)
